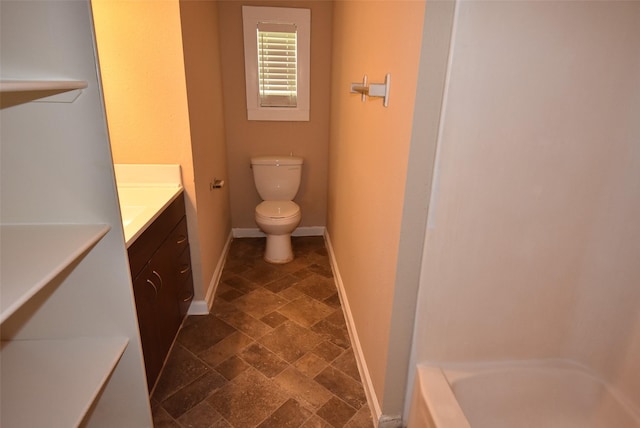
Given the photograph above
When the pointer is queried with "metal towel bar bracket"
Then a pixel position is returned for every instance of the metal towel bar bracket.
(373, 89)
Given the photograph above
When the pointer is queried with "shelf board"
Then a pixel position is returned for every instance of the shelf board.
(7, 85)
(54, 383)
(32, 255)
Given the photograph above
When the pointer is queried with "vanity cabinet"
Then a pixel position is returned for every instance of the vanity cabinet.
(163, 287)
(71, 352)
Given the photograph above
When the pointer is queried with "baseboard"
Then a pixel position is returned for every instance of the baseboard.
(202, 307)
(198, 307)
(254, 232)
(367, 383)
(386, 421)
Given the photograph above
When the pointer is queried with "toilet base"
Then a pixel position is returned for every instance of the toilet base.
(278, 249)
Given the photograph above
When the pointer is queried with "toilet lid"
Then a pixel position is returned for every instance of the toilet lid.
(277, 209)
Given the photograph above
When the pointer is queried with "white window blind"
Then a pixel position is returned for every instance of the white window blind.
(277, 64)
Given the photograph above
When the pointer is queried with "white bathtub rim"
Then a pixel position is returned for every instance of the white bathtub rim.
(457, 371)
(435, 390)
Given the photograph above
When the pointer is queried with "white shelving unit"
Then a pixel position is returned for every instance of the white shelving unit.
(70, 353)
(28, 264)
(41, 85)
(33, 371)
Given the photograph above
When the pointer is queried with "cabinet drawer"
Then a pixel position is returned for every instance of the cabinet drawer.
(184, 267)
(186, 295)
(179, 240)
(143, 248)
(185, 282)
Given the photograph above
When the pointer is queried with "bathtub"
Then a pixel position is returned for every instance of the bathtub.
(546, 393)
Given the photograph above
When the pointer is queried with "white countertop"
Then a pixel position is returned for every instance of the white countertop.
(144, 191)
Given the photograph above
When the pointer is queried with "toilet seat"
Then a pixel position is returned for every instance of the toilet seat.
(277, 209)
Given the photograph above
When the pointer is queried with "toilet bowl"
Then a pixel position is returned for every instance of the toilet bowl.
(277, 180)
(277, 219)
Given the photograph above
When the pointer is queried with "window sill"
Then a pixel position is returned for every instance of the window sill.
(278, 114)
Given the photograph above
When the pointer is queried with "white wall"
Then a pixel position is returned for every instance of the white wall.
(533, 236)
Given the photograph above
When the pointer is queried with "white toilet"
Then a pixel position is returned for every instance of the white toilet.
(277, 180)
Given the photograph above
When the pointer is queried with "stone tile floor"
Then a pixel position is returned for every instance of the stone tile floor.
(273, 352)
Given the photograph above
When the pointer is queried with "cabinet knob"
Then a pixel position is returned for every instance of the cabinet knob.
(185, 268)
(181, 239)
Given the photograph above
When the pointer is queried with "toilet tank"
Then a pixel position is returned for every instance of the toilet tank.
(277, 178)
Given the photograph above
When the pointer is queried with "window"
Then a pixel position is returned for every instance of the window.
(276, 50)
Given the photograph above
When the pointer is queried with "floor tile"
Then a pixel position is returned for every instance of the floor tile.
(316, 422)
(281, 283)
(230, 345)
(316, 286)
(291, 293)
(259, 303)
(181, 368)
(232, 367)
(362, 419)
(231, 295)
(268, 363)
(290, 341)
(337, 318)
(302, 273)
(262, 273)
(204, 332)
(240, 283)
(192, 394)
(336, 412)
(162, 419)
(343, 386)
(306, 311)
(289, 415)
(346, 363)
(310, 364)
(324, 270)
(328, 351)
(299, 263)
(248, 400)
(333, 301)
(338, 335)
(274, 319)
(242, 321)
(303, 388)
(273, 352)
(202, 416)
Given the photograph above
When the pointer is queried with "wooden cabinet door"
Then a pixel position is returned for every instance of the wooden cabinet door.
(163, 267)
(146, 296)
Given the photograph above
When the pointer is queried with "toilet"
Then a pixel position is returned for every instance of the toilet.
(277, 179)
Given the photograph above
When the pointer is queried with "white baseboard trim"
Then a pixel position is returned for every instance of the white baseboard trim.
(367, 383)
(254, 232)
(198, 307)
(390, 421)
(202, 307)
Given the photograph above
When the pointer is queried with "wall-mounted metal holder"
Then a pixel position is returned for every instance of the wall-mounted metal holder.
(373, 89)
(216, 184)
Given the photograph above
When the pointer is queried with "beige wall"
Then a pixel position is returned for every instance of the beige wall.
(369, 148)
(204, 86)
(250, 138)
(532, 243)
(148, 95)
(142, 67)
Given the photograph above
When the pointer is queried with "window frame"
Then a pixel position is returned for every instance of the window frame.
(301, 18)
